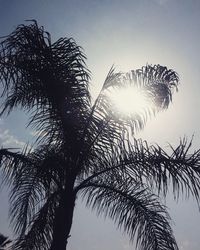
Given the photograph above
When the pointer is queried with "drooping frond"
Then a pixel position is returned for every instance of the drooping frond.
(134, 210)
(39, 235)
(113, 177)
(33, 176)
(26, 191)
(151, 165)
(48, 79)
(160, 169)
(10, 164)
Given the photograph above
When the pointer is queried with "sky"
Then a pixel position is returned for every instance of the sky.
(128, 34)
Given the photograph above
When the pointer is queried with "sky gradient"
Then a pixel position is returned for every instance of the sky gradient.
(128, 34)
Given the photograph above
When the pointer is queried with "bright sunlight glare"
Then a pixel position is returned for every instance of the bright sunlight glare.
(129, 100)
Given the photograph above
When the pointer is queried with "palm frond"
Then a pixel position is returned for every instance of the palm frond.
(32, 177)
(180, 169)
(10, 164)
(148, 164)
(39, 235)
(49, 79)
(4, 242)
(135, 210)
(104, 125)
(26, 190)
(158, 79)
(156, 82)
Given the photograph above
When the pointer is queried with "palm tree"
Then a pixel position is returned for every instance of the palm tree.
(86, 150)
(4, 241)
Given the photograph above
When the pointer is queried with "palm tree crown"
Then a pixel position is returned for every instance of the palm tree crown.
(84, 149)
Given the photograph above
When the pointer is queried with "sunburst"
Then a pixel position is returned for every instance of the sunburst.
(129, 100)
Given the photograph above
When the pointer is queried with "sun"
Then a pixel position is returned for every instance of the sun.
(129, 100)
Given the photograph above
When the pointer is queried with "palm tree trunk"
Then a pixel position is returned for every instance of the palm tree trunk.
(63, 222)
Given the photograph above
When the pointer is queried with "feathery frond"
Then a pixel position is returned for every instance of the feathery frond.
(149, 164)
(48, 79)
(158, 84)
(135, 210)
(39, 234)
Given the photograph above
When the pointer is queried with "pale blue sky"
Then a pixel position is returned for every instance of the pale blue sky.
(128, 33)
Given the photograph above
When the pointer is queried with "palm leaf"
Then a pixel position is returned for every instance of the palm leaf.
(158, 84)
(135, 210)
(49, 79)
(147, 164)
(4, 241)
(41, 222)
(28, 191)
(104, 125)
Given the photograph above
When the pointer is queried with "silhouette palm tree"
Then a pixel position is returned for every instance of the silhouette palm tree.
(85, 149)
(4, 241)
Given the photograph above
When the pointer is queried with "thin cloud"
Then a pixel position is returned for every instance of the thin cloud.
(9, 140)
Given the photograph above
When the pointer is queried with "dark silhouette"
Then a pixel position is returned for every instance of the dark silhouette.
(4, 242)
(86, 149)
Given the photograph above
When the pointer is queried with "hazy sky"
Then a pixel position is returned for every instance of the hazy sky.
(128, 34)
